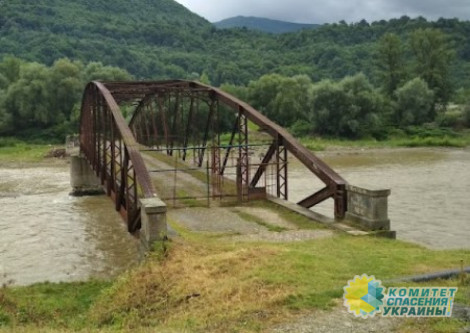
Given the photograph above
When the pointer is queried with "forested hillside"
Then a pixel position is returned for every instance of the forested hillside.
(140, 35)
(349, 80)
(162, 39)
(263, 24)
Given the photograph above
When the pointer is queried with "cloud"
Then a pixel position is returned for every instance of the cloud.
(329, 11)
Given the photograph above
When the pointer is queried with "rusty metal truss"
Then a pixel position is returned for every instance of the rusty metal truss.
(188, 119)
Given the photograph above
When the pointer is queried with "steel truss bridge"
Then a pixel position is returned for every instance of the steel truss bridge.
(192, 123)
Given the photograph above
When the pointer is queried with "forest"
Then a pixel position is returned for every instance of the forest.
(345, 80)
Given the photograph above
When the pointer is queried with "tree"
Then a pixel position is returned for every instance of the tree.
(291, 101)
(466, 113)
(66, 86)
(391, 62)
(351, 108)
(433, 55)
(97, 71)
(262, 92)
(241, 92)
(282, 99)
(5, 118)
(414, 103)
(10, 70)
(28, 99)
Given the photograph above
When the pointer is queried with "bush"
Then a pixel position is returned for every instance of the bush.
(466, 115)
(301, 128)
(414, 103)
(430, 132)
(9, 142)
(452, 119)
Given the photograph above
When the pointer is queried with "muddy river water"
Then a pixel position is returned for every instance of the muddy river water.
(430, 201)
(47, 235)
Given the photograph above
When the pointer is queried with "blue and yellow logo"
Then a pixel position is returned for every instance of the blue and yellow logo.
(363, 296)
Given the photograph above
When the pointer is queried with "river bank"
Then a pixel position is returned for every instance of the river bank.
(202, 283)
(423, 138)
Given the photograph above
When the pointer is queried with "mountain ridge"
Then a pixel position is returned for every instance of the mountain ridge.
(263, 24)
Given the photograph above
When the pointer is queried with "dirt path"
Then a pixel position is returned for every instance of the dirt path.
(339, 320)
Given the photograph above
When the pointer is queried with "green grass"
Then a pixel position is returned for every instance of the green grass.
(434, 325)
(23, 153)
(463, 294)
(416, 138)
(322, 266)
(15, 150)
(207, 283)
(63, 305)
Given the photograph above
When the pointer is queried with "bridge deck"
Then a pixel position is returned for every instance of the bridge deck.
(256, 221)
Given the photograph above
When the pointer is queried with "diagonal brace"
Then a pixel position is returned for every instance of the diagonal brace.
(317, 198)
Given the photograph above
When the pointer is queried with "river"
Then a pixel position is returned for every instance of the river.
(48, 235)
(429, 203)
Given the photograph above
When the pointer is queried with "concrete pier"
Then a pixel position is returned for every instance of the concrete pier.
(82, 178)
(153, 220)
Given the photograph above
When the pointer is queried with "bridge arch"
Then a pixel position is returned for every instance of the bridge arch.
(174, 115)
(109, 146)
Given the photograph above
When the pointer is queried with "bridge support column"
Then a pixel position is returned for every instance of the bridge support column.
(153, 220)
(82, 178)
(369, 209)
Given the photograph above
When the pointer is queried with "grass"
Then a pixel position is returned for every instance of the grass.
(210, 284)
(436, 325)
(463, 294)
(417, 139)
(23, 152)
(63, 305)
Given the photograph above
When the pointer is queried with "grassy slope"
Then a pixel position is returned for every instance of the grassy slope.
(207, 284)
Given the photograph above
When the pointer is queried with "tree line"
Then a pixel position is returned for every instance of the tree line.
(162, 39)
(412, 91)
(37, 101)
(40, 100)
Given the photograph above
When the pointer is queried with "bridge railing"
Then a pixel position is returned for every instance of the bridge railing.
(108, 144)
(160, 119)
(284, 142)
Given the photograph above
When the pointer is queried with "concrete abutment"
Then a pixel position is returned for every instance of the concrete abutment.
(153, 222)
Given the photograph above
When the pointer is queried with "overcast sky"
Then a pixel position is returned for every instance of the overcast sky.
(329, 11)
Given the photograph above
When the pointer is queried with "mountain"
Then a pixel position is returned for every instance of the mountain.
(132, 34)
(263, 24)
(161, 39)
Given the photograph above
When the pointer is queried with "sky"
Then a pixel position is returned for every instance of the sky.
(329, 11)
